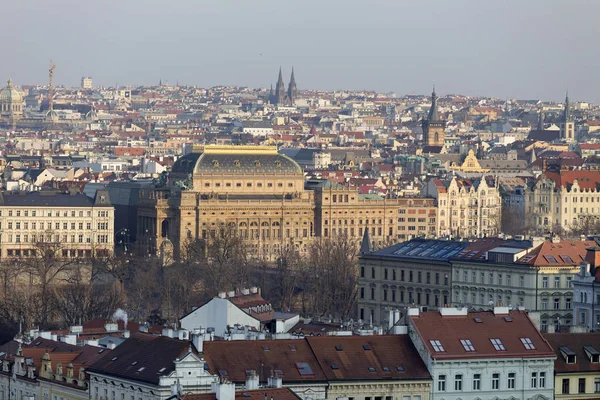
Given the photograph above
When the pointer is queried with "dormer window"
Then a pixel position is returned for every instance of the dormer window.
(593, 354)
(568, 354)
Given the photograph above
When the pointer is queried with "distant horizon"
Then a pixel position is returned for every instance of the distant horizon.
(512, 49)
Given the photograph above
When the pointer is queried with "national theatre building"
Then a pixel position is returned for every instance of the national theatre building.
(263, 196)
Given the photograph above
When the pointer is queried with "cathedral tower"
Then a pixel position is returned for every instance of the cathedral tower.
(433, 126)
(567, 125)
(292, 89)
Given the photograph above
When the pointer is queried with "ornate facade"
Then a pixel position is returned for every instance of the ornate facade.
(565, 198)
(263, 195)
(466, 208)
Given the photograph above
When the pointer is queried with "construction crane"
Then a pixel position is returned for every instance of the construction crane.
(51, 87)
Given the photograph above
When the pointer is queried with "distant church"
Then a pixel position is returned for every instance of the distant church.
(433, 128)
(567, 124)
(282, 97)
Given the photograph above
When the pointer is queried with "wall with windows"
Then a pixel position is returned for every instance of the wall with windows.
(581, 386)
(394, 390)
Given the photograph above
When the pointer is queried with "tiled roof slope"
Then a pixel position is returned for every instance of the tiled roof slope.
(575, 342)
(141, 357)
(368, 357)
(480, 328)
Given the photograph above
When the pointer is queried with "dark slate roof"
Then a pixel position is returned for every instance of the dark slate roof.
(581, 344)
(441, 250)
(543, 136)
(141, 357)
(45, 199)
(236, 164)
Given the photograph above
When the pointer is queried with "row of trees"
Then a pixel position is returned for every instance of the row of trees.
(49, 291)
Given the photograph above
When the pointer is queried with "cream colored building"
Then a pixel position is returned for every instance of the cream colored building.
(78, 225)
(466, 208)
(565, 198)
(11, 104)
(264, 196)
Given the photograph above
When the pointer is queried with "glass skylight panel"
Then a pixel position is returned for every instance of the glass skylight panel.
(304, 369)
(498, 344)
(468, 346)
(528, 343)
(437, 345)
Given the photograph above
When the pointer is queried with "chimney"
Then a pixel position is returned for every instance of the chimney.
(245, 292)
(413, 312)
(253, 290)
(222, 295)
(126, 334)
(500, 310)
(592, 256)
(252, 381)
(198, 340)
(231, 294)
(225, 391)
(275, 382)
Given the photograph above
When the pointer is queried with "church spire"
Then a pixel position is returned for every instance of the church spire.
(433, 111)
(292, 78)
(567, 112)
(280, 79)
(540, 125)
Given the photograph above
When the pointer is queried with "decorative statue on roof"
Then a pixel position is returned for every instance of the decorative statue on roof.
(185, 184)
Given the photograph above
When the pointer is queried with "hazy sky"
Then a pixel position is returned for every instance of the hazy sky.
(516, 49)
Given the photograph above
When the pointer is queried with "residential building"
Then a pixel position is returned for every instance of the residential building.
(586, 291)
(415, 272)
(466, 208)
(563, 197)
(79, 225)
(147, 367)
(492, 354)
(577, 365)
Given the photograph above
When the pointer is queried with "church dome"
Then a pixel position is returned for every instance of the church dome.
(10, 95)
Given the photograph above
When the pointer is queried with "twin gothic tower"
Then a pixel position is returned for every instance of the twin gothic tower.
(281, 97)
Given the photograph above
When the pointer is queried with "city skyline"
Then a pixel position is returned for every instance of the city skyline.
(510, 50)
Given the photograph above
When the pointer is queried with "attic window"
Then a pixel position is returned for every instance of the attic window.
(133, 363)
(566, 259)
(278, 372)
(333, 366)
(508, 319)
(265, 348)
(292, 347)
(366, 347)
(339, 348)
(114, 358)
(162, 369)
(467, 345)
(141, 369)
(478, 320)
(304, 369)
(223, 372)
(568, 354)
(100, 351)
(551, 259)
(498, 344)
(437, 345)
(371, 369)
(385, 369)
(527, 343)
(400, 368)
(593, 354)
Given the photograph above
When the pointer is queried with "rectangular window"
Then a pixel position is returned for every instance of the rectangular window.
(437, 345)
(545, 282)
(511, 380)
(534, 380)
(557, 281)
(542, 379)
(477, 382)
(565, 386)
(596, 385)
(498, 344)
(528, 343)
(581, 386)
(467, 345)
(458, 382)
(495, 381)
(442, 383)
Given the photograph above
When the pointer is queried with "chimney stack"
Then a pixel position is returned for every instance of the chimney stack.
(198, 340)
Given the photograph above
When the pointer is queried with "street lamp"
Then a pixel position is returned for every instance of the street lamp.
(123, 232)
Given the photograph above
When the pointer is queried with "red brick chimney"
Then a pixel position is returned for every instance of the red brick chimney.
(592, 255)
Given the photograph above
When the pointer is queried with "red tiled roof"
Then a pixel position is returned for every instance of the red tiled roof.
(368, 357)
(575, 342)
(233, 358)
(566, 253)
(260, 394)
(587, 180)
(450, 330)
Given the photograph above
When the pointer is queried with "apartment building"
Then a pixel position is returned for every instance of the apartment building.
(79, 226)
